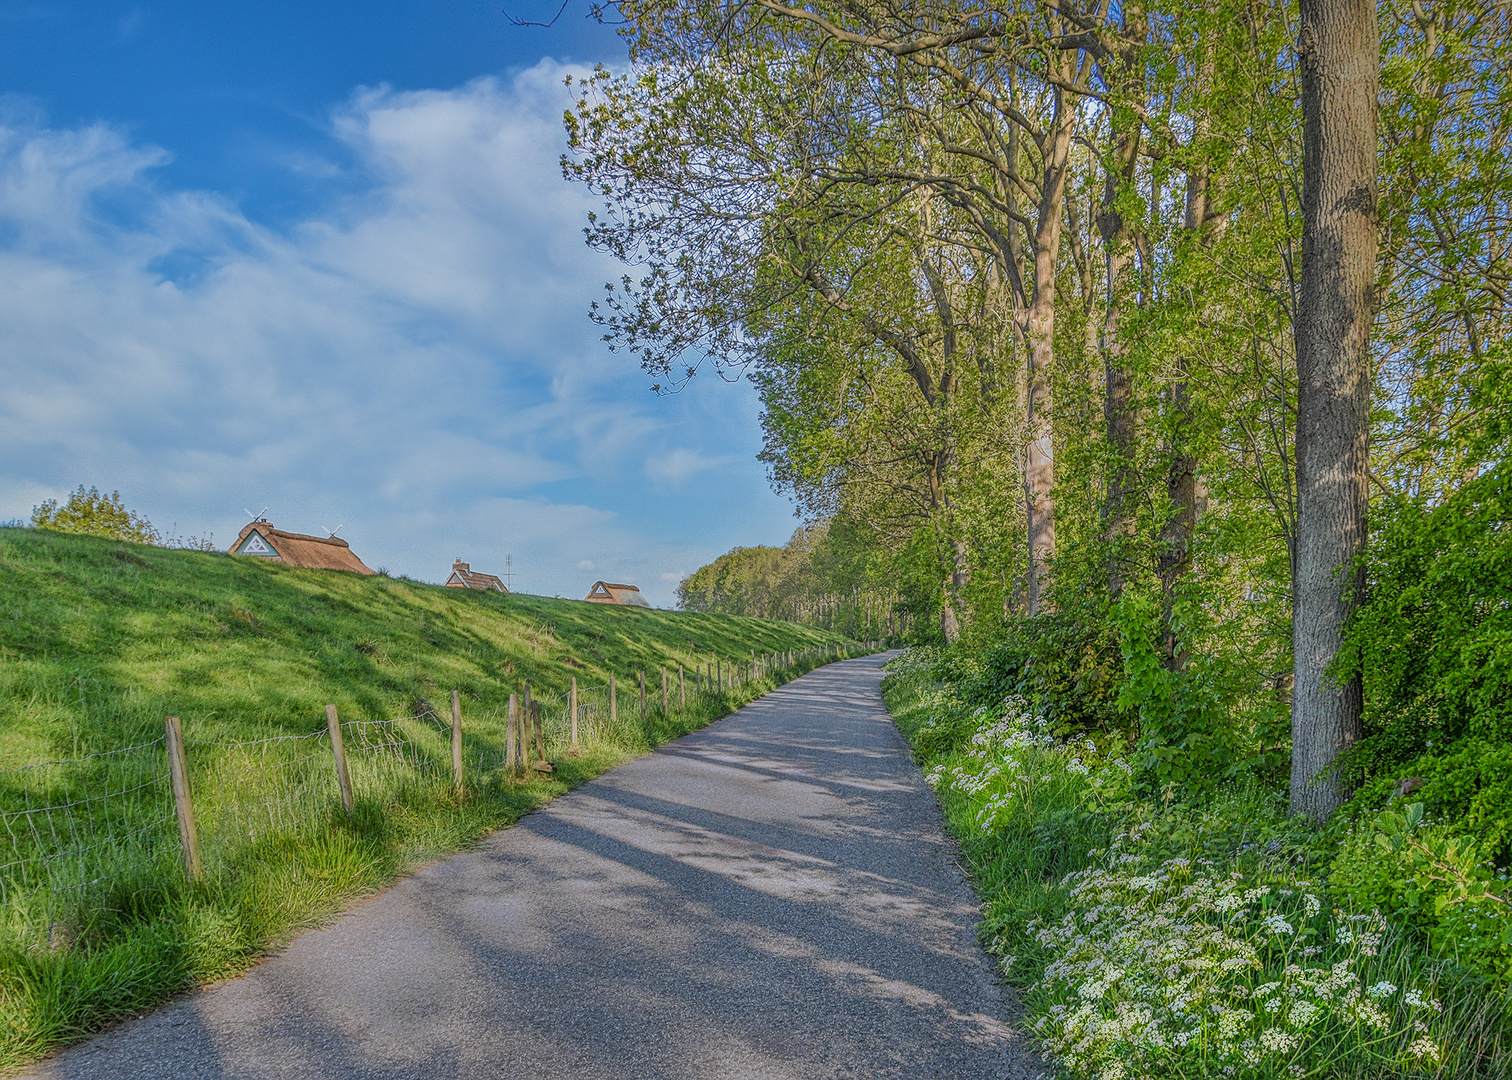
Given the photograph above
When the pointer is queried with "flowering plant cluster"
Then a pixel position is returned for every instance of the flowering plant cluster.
(1152, 966)
(1013, 764)
(1184, 970)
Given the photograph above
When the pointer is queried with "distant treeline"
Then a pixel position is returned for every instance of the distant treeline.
(832, 574)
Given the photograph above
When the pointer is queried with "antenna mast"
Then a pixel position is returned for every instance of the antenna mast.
(509, 572)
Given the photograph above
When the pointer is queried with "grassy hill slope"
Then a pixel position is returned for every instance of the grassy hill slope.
(100, 639)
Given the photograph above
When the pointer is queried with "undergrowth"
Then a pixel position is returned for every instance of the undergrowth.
(1156, 937)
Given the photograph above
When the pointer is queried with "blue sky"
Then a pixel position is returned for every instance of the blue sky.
(320, 258)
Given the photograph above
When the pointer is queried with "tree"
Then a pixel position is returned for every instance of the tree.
(92, 514)
(1339, 50)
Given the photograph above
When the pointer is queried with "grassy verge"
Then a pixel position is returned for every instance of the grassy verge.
(98, 640)
(1155, 938)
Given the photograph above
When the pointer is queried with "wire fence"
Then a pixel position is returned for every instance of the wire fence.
(71, 824)
(67, 827)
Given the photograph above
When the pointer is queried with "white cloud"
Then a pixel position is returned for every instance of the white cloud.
(674, 576)
(676, 467)
(415, 361)
(587, 566)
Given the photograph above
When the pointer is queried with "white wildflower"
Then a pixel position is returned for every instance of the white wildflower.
(1425, 1049)
(1302, 1013)
(1278, 1040)
(1275, 924)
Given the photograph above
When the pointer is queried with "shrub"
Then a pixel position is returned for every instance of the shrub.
(1424, 876)
(1435, 644)
(1065, 665)
(93, 514)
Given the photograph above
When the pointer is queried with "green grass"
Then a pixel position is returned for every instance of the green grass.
(1029, 809)
(99, 640)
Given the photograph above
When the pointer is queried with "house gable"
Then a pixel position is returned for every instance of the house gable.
(610, 592)
(464, 576)
(261, 540)
(254, 544)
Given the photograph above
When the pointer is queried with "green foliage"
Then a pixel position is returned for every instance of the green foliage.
(91, 514)
(1177, 937)
(1435, 644)
(831, 574)
(1423, 875)
(743, 581)
(1065, 664)
(1185, 737)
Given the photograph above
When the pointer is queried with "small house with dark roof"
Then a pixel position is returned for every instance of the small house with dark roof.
(608, 592)
(261, 540)
(465, 577)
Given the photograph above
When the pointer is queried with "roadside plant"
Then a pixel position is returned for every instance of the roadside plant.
(1185, 969)
(1443, 885)
(1161, 936)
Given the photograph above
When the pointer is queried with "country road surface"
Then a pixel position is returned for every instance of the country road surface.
(771, 897)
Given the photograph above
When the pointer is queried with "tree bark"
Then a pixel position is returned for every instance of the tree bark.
(955, 585)
(1174, 555)
(1339, 48)
(1039, 330)
(1119, 250)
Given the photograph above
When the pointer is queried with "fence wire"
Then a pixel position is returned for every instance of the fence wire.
(68, 826)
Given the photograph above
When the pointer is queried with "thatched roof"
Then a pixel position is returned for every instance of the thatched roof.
(608, 592)
(464, 576)
(262, 540)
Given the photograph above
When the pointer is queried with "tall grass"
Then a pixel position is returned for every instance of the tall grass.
(98, 640)
(1154, 938)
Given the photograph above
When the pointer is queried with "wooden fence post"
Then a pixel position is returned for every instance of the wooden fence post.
(682, 689)
(527, 714)
(338, 751)
(572, 705)
(509, 733)
(457, 740)
(664, 689)
(178, 769)
(540, 734)
(642, 675)
(613, 704)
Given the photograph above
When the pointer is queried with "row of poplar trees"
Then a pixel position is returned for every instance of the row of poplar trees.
(1102, 295)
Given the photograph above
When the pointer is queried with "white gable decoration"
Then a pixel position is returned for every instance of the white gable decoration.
(255, 545)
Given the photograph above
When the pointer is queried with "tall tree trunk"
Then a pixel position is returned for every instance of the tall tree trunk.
(1039, 330)
(1118, 239)
(1174, 554)
(1339, 47)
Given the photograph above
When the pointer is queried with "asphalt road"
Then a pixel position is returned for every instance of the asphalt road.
(771, 897)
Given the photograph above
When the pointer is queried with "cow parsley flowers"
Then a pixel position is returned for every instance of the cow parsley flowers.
(1179, 967)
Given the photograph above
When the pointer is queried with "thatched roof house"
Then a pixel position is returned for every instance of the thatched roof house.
(607, 592)
(465, 577)
(261, 540)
